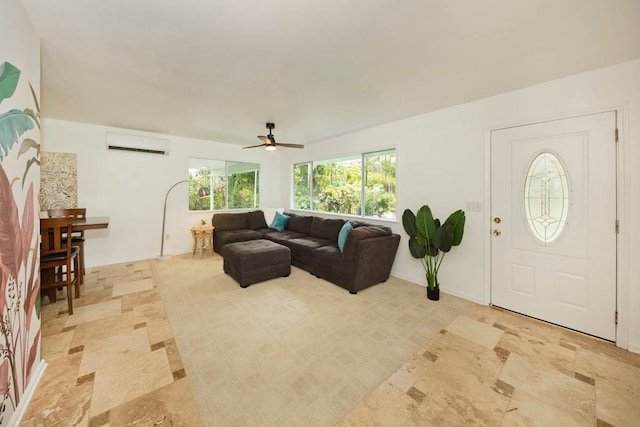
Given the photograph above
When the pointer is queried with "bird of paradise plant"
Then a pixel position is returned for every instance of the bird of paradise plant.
(429, 241)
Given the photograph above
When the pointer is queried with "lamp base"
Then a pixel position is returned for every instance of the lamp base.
(164, 257)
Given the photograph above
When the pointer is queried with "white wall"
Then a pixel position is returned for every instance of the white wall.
(441, 160)
(130, 188)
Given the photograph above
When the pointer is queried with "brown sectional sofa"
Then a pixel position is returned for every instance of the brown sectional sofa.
(368, 255)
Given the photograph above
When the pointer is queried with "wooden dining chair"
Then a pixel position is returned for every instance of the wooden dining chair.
(77, 236)
(59, 264)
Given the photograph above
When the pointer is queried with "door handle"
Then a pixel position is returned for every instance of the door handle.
(497, 232)
(497, 220)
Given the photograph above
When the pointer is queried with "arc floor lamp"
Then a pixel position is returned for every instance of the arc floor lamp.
(164, 217)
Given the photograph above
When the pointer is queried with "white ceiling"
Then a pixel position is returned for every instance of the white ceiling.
(219, 69)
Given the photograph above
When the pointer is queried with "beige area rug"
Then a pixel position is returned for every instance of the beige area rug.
(290, 351)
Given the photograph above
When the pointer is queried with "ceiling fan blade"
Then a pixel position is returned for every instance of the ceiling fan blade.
(254, 146)
(270, 141)
(289, 145)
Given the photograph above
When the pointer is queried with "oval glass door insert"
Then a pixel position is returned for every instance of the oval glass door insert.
(546, 197)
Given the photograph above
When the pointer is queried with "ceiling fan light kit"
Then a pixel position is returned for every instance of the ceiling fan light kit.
(270, 141)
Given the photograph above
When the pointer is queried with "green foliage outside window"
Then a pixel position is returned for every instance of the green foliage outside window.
(219, 193)
(243, 190)
(214, 182)
(337, 185)
(380, 184)
(301, 186)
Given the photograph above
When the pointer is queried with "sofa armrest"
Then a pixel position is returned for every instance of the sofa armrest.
(373, 260)
(359, 234)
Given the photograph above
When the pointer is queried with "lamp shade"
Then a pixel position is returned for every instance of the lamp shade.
(203, 192)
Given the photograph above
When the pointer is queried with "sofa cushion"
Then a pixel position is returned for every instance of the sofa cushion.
(326, 228)
(302, 250)
(300, 223)
(229, 221)
(283, 237)
(342, 236)
(256, 220)
(280, 222)
(310, 242)
(232, 236)
(330, 252)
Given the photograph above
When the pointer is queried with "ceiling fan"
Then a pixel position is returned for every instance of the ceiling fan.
(270, 141)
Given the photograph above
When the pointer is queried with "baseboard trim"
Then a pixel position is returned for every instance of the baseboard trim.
(634, 348)
(442, 289)
(16, 419)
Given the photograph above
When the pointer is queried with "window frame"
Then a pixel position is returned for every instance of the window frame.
(363, 181)
(226, 184)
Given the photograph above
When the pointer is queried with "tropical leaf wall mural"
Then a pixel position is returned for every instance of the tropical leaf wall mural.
(13, 123)
(19, 237)
(9, 76)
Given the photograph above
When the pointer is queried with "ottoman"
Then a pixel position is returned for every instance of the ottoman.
(255, 261)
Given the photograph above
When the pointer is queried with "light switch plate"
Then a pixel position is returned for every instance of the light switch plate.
(473, 206)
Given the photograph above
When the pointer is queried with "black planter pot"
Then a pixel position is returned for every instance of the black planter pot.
(433, 294)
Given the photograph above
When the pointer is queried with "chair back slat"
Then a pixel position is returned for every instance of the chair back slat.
(72, 212)
(58, 258)
(51, 232)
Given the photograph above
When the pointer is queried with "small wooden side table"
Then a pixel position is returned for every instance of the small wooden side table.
(202, 239)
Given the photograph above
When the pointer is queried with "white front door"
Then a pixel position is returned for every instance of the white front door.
(553, 207)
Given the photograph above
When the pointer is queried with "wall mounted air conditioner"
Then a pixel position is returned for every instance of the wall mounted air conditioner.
(137, 143)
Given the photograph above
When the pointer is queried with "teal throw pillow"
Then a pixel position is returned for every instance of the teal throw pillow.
(342, 236)
(280, 221)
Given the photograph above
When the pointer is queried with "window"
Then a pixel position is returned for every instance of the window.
(243, 185)
(216, 184)
(363, 185)
(380, 184)
(546, 197)
(337, 186)
(301, 186)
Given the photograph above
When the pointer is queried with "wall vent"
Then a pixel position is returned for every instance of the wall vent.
(137, 143)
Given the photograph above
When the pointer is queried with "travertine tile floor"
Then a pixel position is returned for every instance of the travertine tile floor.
(496, 368)
(115, 363)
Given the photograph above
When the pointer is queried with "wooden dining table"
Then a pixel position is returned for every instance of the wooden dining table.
(90, 223)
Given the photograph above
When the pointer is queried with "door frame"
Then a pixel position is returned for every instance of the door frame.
(623, 197)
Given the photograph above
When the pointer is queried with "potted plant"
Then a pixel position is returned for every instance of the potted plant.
(429, 241)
